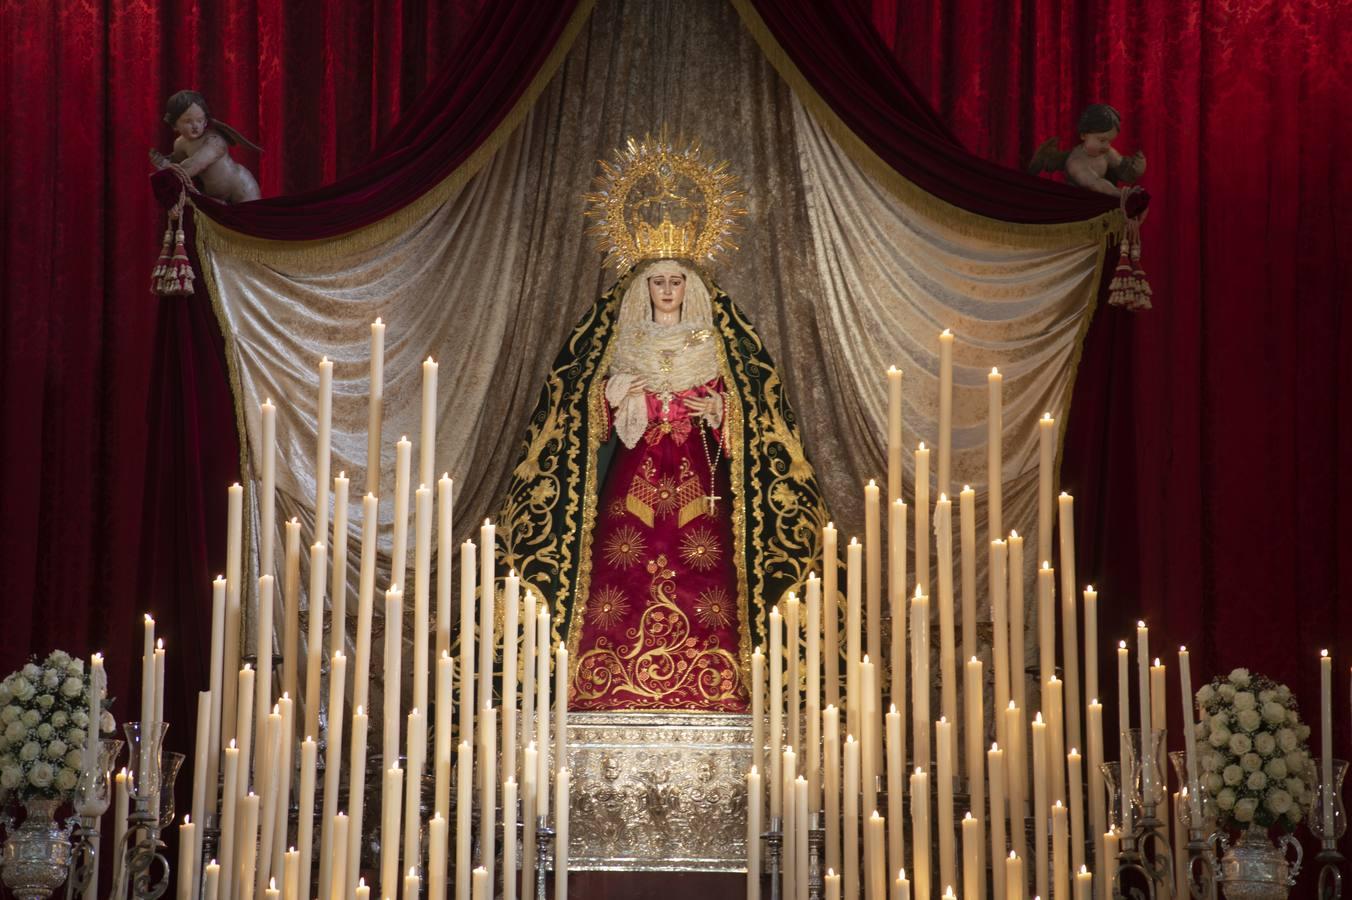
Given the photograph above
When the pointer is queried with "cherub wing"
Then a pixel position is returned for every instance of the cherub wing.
(1048, 158)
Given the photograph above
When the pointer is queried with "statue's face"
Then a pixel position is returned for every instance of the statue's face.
(191, 124)
(667, 293)
(1097, 143)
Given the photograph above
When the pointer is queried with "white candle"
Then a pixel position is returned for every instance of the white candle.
(422, 609)
(159, 681)
(967, 555)
(1091, 682)
(1046, 628)
(377, 396)
(482, 889)
(1074, 769)
(147, 692)
(874, 863)
(920, 832)
(338, 877)
(831, 614)
(995, 770)
(487, 614)
(948, 651)
(943, 822)
(263, 681)
(1018, 663)
(831, 778)
(873, 578)
(1060, 856)
(528, 664)
(436, 858)
(199, 785)
(509, 839)
(412, 884)
(832, 883)
(403, 452)
(216, 683)
(1189, 737)
(945, 410)
(998, 577)
(314, 640)
(291, 875)
(754, 796)
(757, 708)
(1147, 745)
(561, 836)
(244, 726)
(281, 799)
(234, 551)
(1123, 729)
(248, 849)
(394, 648)
(366, 593)
(488, 789)
(445, 560)
(896, 779)
(211, 886)
(291, 611)
(542, 709)
(1326, 739)
(1070, 645)
(1016, 773)
(1046, 475)
(309, 759)
(776, 737)
(995, 474)
(338, 577)
(561, 708)
(971, 858)
(510, 636)
(441, 792)
(1015, 889)
(850, 828)
(389, 831)
(357, 787)
(800, 834)
(896, 599)
(974, 742)
(1098, 816)
(121, 803)
(428, 448)
(463, 804)
(1112, 842)
(268, 766)
(813, 626)
(467, 583)
(333, 757)
(1056, 738)
(1084, 884)
(922, 529)
(1040, 804)
(530, 768)
(854, 624)
(187, 839)
(415, 754)
(901, 888)
(920, 683)
(267, 493)
(869, 753)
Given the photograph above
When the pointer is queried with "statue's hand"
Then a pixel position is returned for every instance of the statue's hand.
(710, 407)
(158, 159)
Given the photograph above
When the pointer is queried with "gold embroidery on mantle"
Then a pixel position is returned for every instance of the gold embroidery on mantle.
(653, 497)
(700, 550)
(659, 664)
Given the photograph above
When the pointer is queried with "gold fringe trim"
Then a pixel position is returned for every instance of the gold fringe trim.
(961, 221)
(284, 254)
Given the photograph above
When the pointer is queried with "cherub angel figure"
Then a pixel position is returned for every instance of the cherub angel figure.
(202, 150)
(1093, 163)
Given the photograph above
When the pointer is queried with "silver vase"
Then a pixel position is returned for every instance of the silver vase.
(1253, 868)
(36, 854)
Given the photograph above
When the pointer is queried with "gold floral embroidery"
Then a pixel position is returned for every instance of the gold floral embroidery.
(700, 550)
(625, 547)
(659, 664)
(713, 608)
(652, 496)
(607, 606)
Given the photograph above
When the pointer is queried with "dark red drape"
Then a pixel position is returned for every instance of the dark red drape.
(97, 522)
(1208, 441)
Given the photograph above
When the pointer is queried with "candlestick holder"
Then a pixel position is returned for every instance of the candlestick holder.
(93, 794)
(1145, 866)
(544, 839)
(1329, 859)
(774, 847)
(1330, 862)
(816, 839)
(1202, 853)
(144, 852)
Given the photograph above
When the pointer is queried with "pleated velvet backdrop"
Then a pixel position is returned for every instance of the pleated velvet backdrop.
(1206, 439)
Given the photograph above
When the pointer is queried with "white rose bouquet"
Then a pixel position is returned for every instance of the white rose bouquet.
(44, 725)
(1253, 759)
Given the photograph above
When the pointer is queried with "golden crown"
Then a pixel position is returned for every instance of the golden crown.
(662, 199)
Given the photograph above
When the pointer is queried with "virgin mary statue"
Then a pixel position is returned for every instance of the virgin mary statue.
(663, 503)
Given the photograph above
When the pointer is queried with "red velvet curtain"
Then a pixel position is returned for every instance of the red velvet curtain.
(1208, 441)
(95, 524)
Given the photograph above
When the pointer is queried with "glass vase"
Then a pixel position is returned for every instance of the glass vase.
(93, 793)
(143, 758)
(1318, 821)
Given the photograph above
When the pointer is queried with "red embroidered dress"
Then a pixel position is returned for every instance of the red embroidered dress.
(662, 618)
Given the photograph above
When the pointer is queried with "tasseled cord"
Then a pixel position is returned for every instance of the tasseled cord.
(1129, 288)
(173, 275)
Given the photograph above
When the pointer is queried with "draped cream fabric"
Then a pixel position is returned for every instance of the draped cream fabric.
(841, 272)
